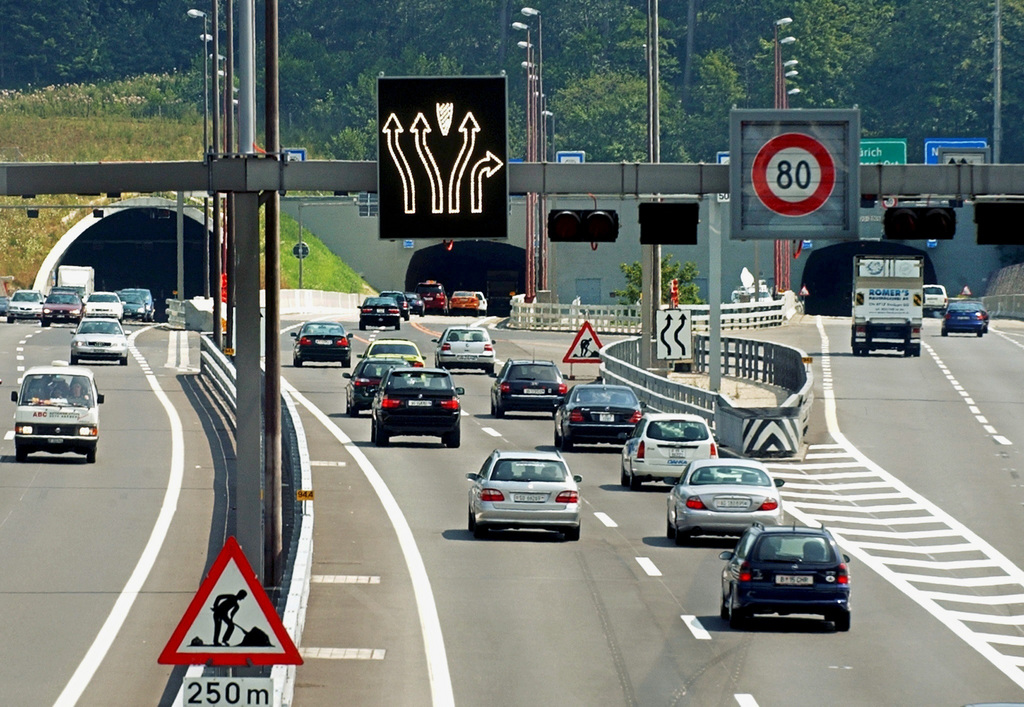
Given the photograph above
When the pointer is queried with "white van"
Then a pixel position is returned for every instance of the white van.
(57, 411)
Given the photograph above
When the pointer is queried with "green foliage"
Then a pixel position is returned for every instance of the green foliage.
(686, 273)
(321, 269)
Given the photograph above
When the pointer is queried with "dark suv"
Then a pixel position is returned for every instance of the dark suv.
(786, 570)
(434, 297)
(417, 401)
(532, 386)
(403, 301)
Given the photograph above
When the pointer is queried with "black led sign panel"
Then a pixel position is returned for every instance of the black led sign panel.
(442, 157)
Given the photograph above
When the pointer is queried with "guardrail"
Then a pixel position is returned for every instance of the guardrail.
(754, 431)
(625, 319)
(1004, 306)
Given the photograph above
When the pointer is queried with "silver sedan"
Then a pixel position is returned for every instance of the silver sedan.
(101, 339)
(722, 497)
(525, 489)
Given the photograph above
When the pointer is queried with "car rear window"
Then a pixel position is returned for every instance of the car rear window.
(400, 349)
(416, 380)
(528, 470)
(323, 330)
(533, 372)
(794, 548)
(466, 335)
(376, 369)
(420, 289)
(605, 396)
(729, 475)
(678, 430)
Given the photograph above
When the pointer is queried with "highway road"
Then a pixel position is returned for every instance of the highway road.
(913, 462)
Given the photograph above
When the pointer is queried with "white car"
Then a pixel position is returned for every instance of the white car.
(465, 347)
(661, 444)
(104, 304)
(935, 299)
(25, 304)
(101, 339)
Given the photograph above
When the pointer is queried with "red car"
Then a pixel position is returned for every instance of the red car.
(61, 307)
(434, 297)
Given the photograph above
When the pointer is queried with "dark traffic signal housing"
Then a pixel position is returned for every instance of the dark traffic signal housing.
(583, 226)
(999, 223)
(906, 223)
(668, 223)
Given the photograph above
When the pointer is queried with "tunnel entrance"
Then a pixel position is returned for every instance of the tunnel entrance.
(828, 274)
(496, 269)
(138, 247)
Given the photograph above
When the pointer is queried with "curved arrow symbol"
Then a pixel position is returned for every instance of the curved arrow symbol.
(675, 334)
(469, 128)
(485, 167)
(393, 128)
(664, 330)
(421, 128)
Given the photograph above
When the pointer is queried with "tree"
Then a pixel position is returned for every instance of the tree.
(686, 273)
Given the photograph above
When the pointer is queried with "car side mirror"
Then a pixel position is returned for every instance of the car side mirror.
(473, 476)
(99, 398)
(434, 340)
(460, 391)
(295, 335)
(346, 375)
(671, 480)
(360, 355)
(727, 555)
(577, 478)
(779, 483)
(846, 558)
(643, 405)
(14, 396)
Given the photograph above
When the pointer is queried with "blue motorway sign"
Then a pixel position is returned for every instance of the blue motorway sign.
(932, 145)
(571, 156)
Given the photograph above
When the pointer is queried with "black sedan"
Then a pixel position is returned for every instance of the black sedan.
(527, 385)
(363, 382)
(415, 303)
(321, 341)
(596, 413)
(380, 311)
(417, 401)
(403, 301)
(966, 316)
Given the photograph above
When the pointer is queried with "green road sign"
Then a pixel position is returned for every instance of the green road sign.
(883, 150)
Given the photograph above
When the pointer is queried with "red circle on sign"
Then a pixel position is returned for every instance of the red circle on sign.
(759, 174)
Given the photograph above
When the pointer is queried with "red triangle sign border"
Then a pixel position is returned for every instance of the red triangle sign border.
(585, 329)
(236, 655)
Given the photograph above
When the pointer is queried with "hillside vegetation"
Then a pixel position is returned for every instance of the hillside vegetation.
(139, 119)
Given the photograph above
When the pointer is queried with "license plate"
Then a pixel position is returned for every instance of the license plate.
(324, 342)
(533, 391)
(605, 417)
(732, 503)
(420, 403)
(678, 453)
(55, 440)
(529, 497)
(794, 580)
(465, 358)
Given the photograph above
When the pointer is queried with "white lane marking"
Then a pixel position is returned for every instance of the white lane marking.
(328, 463)
(108, 632)
(649, 567)
(9, 435)
(696, 627)
(344, 579)
(744, 700)
(604, 518)
(982, 420)
(430, 624)
(491, 431)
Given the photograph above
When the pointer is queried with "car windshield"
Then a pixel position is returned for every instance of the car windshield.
(27, 297)
(417, 380)
(101, 297)
(793, 548)
(132, 298)
(91, 326)
(528, 470)
(60, 298)
(677, 430)
(54, 389)
(533, 372)
(739, 475)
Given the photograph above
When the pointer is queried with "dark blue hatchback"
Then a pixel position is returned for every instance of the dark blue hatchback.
(786, 570)
(967, 316)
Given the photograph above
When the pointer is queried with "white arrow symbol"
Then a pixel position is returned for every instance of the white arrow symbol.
(392, 128)
(469, 128)
(420, 128)
(483, 168)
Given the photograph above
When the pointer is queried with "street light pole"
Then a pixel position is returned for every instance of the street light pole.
(783, 250)
(530, 274)
(206, 142)
(539, 154)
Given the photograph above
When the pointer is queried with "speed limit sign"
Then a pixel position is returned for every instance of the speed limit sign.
(794, 174)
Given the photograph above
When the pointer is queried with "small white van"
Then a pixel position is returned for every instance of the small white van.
(58, 411)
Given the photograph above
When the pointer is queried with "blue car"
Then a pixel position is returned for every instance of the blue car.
(786, 570)
(965, 316)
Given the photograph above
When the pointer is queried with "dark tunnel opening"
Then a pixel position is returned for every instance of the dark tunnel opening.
(496, 269)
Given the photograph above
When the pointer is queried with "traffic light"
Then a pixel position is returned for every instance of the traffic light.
(583, 226)
(668, 224)
(906, 223)
(999, 224)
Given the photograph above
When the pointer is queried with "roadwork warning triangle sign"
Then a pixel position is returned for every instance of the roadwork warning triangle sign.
(584, 347)
(230, 620)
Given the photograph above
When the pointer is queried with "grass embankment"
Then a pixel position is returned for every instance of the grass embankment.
(142, 119)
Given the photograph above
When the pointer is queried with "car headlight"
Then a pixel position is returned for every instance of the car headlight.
(23, 429)
(86, 431)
